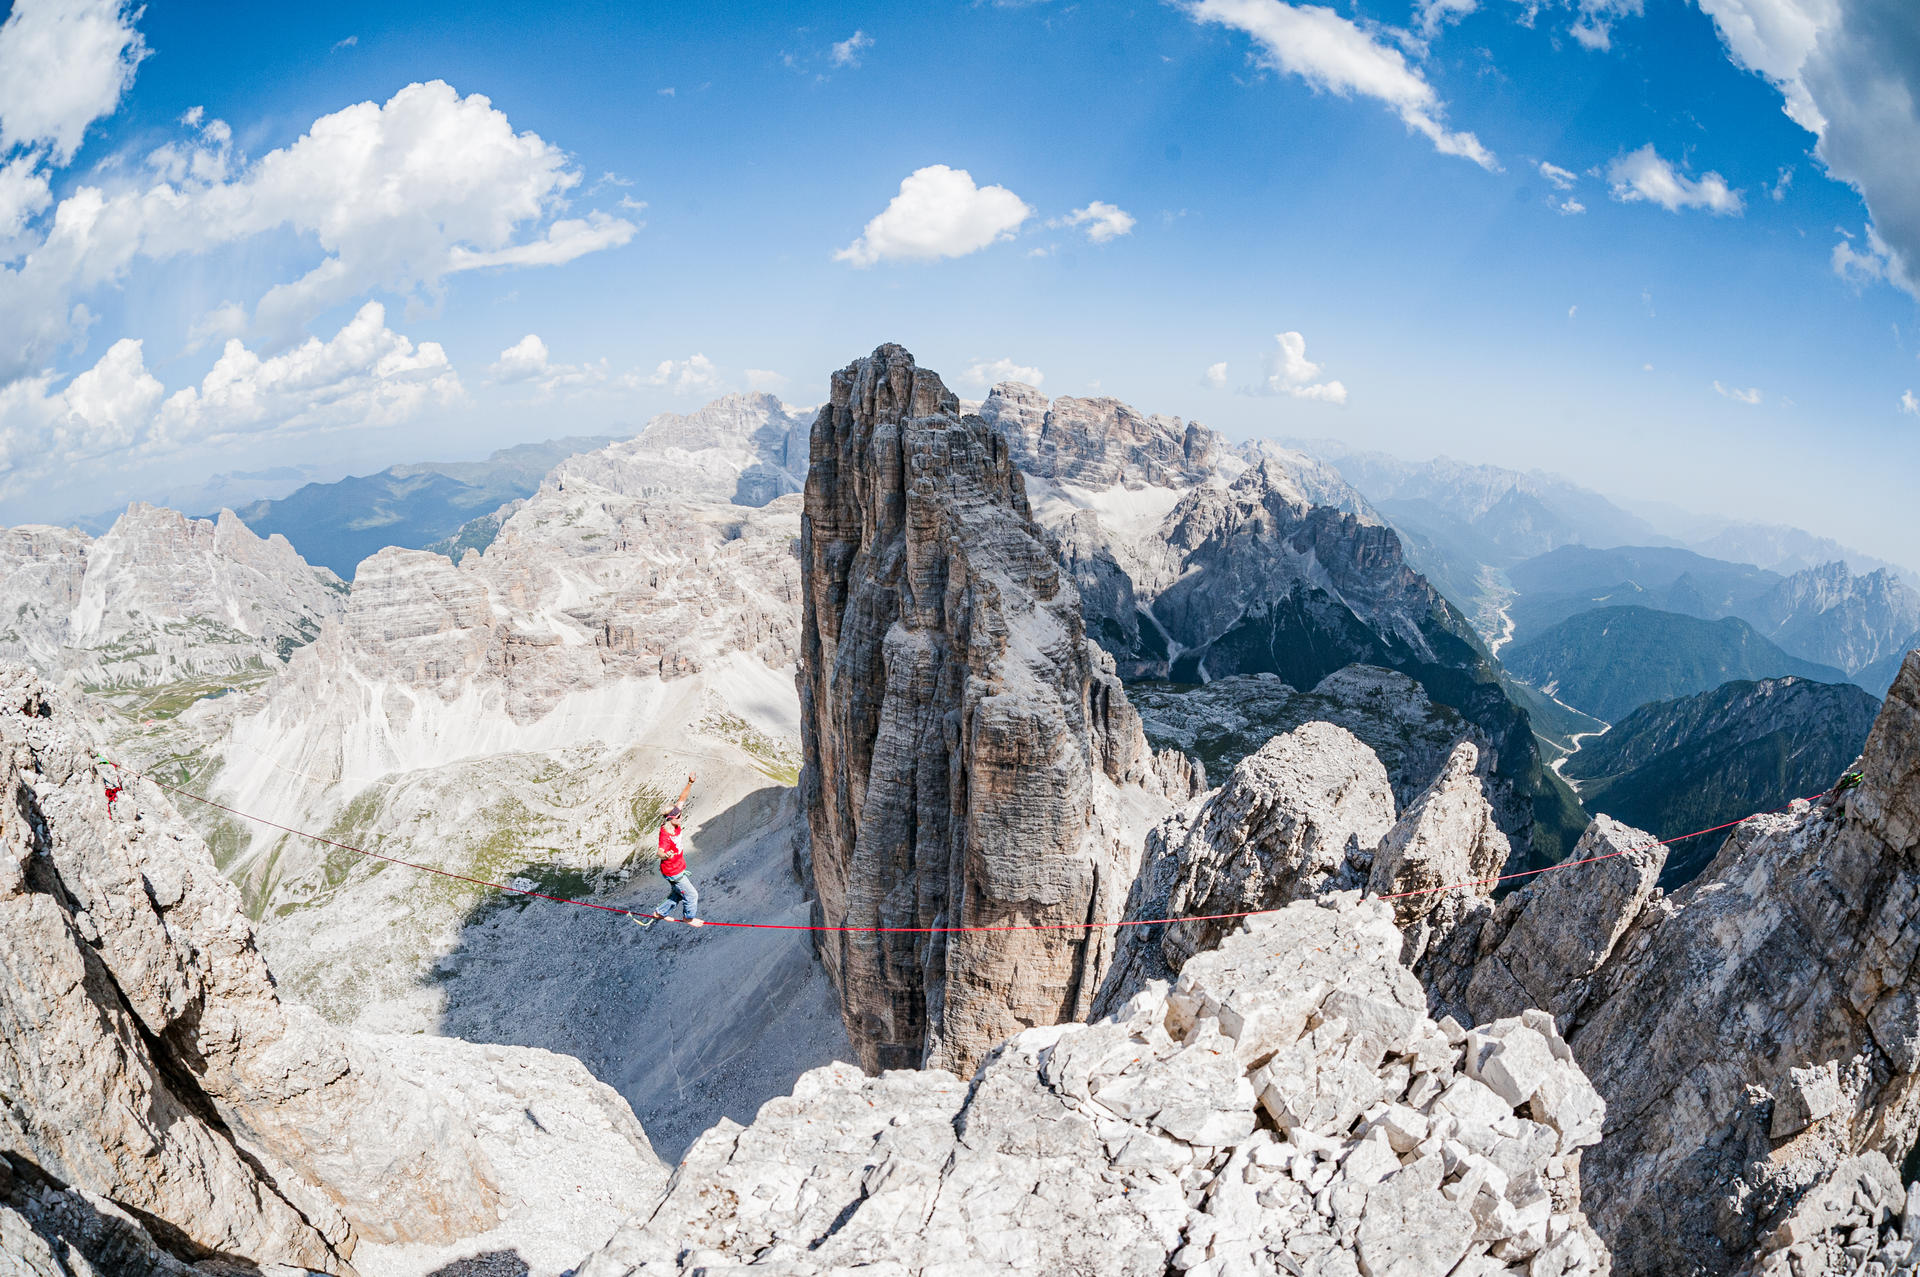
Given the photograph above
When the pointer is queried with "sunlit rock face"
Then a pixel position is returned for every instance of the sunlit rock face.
(971, 760)
(159, 601)
(1753, 1031)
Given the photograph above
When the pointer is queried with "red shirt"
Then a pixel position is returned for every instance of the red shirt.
(672, 860)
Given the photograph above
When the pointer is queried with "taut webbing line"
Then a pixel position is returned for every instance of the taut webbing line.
(1016, 926)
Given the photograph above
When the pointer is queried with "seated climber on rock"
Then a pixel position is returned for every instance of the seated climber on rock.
(673, 867)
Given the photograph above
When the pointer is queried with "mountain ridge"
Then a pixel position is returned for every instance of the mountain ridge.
(1671, 767)
(1611, 661)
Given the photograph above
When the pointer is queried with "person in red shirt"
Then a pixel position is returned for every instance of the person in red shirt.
(673, 867)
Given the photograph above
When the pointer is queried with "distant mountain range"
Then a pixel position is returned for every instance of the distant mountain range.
(1784, 549)
(1470, 528)
(1198, 561)
(1613, 660)
(336, 525)
(1675, 766)
(1464, 524)
(1857, 624)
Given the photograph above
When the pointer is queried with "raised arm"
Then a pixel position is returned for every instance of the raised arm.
(680, 803)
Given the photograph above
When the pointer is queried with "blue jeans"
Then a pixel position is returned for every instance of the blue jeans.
(680, 889)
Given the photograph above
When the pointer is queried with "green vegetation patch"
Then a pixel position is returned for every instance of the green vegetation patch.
(772, 758)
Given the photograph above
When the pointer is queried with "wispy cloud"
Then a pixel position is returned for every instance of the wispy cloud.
(846, 53)
(1103, 221)
(1333, 53)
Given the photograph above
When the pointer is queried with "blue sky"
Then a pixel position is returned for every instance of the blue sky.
(1178, 186)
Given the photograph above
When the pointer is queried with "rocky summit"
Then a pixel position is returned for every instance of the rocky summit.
(971, 759)
(161, 608)
(1286, 1107)
(1196, 561)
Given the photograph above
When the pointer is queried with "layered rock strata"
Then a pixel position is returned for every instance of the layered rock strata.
(153, 1076)
(1286, 1107)
(971, 759)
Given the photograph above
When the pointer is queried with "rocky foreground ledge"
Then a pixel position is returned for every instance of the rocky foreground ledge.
(161, 1108)
(1287, 1107)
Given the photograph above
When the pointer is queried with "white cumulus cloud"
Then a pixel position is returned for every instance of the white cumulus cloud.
(365, 375)
(1217, 375)
(1331, 53)
(525, 359)
(1909, 404)
(984, 373)
(1103, 221)
(1290, 372)
(394, 196)
(63, 65)
(24, 194)
(1644, 175)
(686, 376)
(846, 53)
(1750, 397)
(939, 212)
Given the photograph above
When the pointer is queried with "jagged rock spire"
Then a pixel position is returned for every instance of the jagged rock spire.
(970, 757)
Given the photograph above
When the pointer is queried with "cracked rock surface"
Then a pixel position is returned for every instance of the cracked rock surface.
(1286, 1107)
(1754, 1033)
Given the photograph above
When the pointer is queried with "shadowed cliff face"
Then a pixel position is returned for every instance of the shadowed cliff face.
(970, 756)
